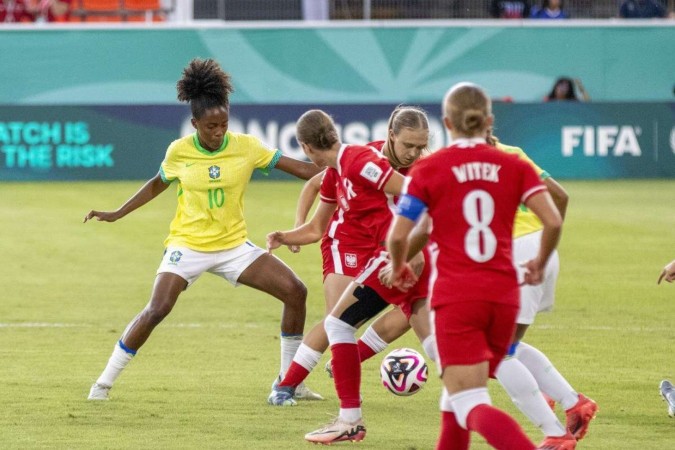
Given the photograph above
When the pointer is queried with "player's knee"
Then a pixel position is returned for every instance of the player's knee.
(294, 293)
(154, 314)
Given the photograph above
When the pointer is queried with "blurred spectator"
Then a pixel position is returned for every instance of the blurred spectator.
(49, 10)
(565, 88)
(14, 11)
(550, 9)
(642, 9)
(510, 9)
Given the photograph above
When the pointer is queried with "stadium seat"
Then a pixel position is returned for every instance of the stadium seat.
(142, 10)
(96, 11)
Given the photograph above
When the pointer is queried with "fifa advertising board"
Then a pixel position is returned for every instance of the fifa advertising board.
(570, 140)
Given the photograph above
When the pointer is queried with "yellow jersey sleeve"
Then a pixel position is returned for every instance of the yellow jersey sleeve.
(169, 169)
(526, 221)
(263, 157)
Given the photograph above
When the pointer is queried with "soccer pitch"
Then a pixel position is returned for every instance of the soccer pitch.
(202, 380)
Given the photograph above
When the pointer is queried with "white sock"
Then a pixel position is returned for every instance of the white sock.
(549, 379)
(117, 362)
(429, 346)
(525, 394)
(307, 357)
(350, 415)
(289, 346)
(373, 340)
(464, 401)
(445, 403)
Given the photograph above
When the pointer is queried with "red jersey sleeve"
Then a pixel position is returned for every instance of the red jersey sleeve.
(532, 183)
(370, 168)
(328, 190)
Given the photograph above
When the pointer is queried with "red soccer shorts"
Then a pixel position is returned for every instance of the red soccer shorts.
(343, 260)
(471, 332)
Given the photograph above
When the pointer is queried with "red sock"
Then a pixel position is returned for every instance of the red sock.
(295, 375)
(453, 437)
(498, 428)
(347, 374)
(365, 352)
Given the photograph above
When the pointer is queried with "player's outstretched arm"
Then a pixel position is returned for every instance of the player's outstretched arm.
(150, 190)
(307, 233)
(301, 169)
(668, 273)
(306, 199)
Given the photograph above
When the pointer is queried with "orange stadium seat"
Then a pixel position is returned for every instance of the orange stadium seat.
(138, 10)
(101, 5)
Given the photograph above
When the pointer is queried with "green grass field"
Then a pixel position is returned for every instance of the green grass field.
(69, 289)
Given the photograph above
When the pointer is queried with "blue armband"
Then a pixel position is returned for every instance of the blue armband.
(273, 163)
(410, 207)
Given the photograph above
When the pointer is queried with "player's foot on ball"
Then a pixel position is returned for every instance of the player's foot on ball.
(338, 431)
(302, 392)
(668, 394)
(99, 392)
(580, 415)
(566, 442)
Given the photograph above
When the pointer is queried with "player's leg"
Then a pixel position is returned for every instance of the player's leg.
(357, 305)
(269, 274)
(579, 409)
(313, 346)
(517, 380)
(472, 338)
(166, 290)
(421, 325)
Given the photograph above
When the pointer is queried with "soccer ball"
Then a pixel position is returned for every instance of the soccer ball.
(403, 371)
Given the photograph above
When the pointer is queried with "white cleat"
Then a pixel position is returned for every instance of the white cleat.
(302, 392)
(328, 368)
(99, 392)
(338, 431)
(668, 394)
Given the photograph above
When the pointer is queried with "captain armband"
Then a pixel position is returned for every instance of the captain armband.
(410, 207)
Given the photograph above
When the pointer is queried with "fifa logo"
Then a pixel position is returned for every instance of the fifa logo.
(602, 140)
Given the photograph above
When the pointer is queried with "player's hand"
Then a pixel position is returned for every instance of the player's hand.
(294, 248)
(101, 216)
(404, 278)
(386, 276)
(274, 240)
(417, 263)
(668, 273)
(534, 272)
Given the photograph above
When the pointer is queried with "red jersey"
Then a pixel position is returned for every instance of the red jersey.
(364, 211)
(472, 191)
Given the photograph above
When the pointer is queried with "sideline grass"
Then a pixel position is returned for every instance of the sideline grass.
(202, 379)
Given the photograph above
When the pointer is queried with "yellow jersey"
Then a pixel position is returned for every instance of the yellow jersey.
(211, 185)
(526, 221)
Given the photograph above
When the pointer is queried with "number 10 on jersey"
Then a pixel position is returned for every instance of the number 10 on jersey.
(216, 198)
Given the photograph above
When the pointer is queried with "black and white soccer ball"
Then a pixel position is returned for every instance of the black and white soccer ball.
(403, 371)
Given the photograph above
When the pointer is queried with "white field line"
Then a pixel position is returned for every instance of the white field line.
(253, 325)
(84, 325)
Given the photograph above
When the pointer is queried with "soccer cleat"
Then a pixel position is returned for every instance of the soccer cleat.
(302, 392)
(99, 392)
(281, 395)
(566, 442)
(580, 415)
(668, 394)
(328, 368)
(338, 431)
